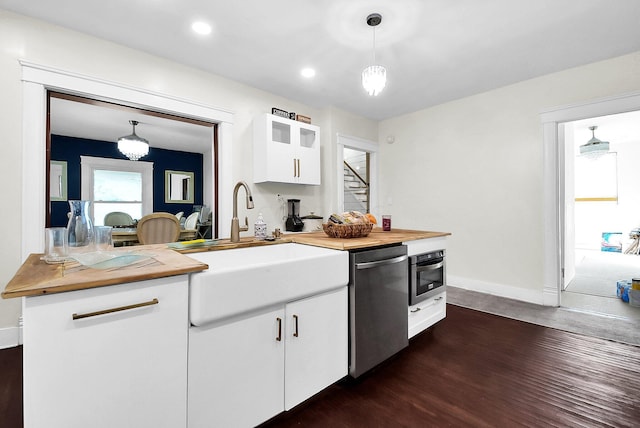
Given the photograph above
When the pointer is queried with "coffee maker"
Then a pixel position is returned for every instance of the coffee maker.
(294, 223)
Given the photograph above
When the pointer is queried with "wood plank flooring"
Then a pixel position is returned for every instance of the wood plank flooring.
(472, 370)
(11, 387)
(480, 370)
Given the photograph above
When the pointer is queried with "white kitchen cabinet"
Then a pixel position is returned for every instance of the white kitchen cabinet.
(236, 371)
(249, 369)
(317, 351)
(425, 314)
(126, 368)
(285, 151)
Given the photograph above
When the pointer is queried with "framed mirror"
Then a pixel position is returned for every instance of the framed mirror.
(58, 181)
(178, 187)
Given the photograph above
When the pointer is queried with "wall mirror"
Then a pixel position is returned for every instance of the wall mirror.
(58, 181)
(178, 187)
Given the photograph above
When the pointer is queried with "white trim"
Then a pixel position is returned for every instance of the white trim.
(359, 144)
(37, 79)
(495, 289)
(10, 337)
(553, 171)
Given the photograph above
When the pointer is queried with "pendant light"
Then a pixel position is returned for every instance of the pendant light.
(133, 146)
(594, 147)
(374, 77)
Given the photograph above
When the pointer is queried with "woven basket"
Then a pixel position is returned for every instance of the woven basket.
(356, 230)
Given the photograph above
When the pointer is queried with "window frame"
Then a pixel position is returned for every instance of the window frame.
(88, 164)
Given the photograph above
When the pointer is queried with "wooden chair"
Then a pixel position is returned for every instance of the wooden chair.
(117, 218)
(158, 228)
(192, 221)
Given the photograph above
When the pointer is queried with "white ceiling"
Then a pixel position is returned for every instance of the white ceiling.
(434, 51)
(76, 119)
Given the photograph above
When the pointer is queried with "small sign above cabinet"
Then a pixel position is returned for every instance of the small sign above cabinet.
(285, 151)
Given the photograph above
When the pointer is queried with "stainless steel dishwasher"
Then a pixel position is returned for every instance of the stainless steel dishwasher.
(378, 296)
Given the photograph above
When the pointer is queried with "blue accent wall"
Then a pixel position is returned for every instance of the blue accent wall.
(70, 149)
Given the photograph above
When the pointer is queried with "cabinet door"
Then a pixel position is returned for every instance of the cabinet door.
(316, 346)
(236, 371)
(281, 141)
(308, 154)
(120, 369)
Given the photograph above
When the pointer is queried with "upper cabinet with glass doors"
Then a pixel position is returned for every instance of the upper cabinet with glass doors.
(285, 151)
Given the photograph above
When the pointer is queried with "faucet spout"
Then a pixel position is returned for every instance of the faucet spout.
(235, 224)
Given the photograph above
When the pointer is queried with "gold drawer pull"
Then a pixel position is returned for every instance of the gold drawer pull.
(121, 308)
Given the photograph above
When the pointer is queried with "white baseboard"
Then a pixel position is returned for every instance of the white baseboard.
(10, 337)
(495, 289)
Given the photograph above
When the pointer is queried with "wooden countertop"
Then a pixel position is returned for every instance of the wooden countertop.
(376, 238)
(35, 277)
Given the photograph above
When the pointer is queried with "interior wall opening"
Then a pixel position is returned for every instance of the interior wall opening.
(601, 213)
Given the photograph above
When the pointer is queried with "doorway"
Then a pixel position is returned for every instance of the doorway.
(602, 209)
(362, 157)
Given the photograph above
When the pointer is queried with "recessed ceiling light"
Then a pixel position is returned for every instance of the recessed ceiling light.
(201, 27)
(308, 72)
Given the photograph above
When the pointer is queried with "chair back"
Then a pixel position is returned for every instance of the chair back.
(192, 221)
(179, 215)
(117, 218)
(158, 228)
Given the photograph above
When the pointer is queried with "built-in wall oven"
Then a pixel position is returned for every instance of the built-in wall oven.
(427, 275)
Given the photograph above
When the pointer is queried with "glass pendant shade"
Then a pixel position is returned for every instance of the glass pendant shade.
(132, 146)
(374, 79)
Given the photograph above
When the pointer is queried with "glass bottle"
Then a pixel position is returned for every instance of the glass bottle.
(79, 227)
(260, 228)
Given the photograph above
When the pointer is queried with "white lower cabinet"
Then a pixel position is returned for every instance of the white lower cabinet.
(245, 371)
(123, 368)
(425, 314)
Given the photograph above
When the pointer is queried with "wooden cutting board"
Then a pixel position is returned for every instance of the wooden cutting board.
(35, 277)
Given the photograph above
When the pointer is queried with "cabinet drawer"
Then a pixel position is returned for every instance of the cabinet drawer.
(425, 314)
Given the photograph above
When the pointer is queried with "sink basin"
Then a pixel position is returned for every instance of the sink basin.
(246, 279)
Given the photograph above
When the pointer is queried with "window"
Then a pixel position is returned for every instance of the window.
(117, 185)
(596, 178)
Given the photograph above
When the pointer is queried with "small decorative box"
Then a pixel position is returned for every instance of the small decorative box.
(279, 112)
(305, 119)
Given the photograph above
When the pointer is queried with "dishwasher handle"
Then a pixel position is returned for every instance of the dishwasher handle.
(369, 265)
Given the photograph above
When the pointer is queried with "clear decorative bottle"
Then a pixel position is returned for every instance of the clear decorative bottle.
(260, 228)
(79, 227)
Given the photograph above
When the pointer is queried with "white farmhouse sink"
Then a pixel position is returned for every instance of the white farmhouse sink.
(245, 279)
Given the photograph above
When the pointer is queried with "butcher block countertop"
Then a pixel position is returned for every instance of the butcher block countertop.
(36, 278)
(376, 238)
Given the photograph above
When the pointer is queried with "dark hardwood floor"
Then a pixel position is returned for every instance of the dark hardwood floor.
(11, 387)
(480, 370)
(473, 369)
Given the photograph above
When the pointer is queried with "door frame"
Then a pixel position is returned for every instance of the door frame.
(361, 144)
(553, 151)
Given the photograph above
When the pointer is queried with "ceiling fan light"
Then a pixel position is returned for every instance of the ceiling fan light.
(132, 146)
(594, 147)
(374, 79)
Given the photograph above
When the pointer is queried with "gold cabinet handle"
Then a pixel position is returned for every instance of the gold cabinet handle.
(295, 171)
(295, 321)
(298, 168)
(118, 309)
(279, 337)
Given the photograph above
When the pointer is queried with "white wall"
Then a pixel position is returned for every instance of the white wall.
(41, 43)
(481, 161)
